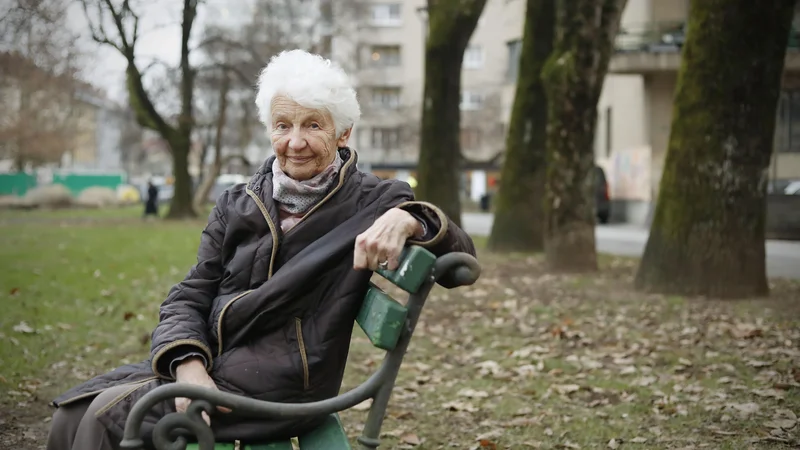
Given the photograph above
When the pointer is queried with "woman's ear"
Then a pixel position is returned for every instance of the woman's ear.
(342, 141)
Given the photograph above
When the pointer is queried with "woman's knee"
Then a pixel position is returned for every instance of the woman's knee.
(64, 426)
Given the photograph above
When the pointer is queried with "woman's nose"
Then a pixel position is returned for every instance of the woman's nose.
(297, 140)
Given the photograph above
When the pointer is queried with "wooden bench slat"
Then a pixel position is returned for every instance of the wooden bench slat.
(415, 266)
(328, 436)
(283, 445)
(381, 318)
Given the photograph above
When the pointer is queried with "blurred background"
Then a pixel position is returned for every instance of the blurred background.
(67, 118)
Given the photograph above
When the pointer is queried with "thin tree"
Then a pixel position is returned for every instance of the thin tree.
(450, 26)
(573, 78)
(708, 231)
(178, 133)
(201, 196)
(519, 213)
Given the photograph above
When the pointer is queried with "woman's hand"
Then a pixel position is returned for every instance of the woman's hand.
(193, 371)
(385, 239)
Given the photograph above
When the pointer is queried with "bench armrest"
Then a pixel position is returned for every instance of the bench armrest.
(463, 267)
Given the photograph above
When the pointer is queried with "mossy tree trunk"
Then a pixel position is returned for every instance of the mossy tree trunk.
(708, 231)
(179, 135)
(519, 214)
(573, 78)
(450, 26)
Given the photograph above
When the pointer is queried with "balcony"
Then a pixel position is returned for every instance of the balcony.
(656, 48)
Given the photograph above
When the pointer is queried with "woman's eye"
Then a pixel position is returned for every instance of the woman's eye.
(281, 126)
(315, 126)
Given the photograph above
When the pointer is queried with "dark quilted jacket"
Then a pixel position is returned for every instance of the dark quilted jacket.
(272, 313)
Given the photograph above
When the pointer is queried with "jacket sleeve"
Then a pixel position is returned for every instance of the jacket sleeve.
(183, 316)
(442, 235)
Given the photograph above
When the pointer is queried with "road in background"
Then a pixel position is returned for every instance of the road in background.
(783, 257)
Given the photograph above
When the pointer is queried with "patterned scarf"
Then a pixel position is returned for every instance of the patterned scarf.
(297, 197)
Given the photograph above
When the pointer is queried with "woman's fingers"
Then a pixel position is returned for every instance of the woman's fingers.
(383, 242)
(182, 404)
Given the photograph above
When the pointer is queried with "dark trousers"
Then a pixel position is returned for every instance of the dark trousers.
(75, 427)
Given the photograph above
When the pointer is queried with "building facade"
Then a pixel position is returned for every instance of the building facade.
(635, 109)
(385, 54)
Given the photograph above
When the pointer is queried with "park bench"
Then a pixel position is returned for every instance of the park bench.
(389, 326)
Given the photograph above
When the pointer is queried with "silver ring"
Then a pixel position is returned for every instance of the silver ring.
(384, 265)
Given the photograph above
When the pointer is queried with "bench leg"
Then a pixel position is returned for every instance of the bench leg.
(370, 436)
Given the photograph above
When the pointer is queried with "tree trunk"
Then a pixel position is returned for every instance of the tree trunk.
(519, 214)
(181, 205)
(708, 231)
(450, 26)
(573, 78)
(201, 197)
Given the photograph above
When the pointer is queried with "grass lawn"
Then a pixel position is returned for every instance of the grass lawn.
(524, 359)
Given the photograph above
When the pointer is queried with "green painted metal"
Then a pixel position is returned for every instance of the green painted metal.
(78, 182)
(16, 183)
(381, 318)
(415, 267)
(328, 436)
(283, 445)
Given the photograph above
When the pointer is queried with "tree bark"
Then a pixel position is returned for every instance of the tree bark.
(201, 196)
(708, 231)
(519, 213)
(450, 26)
(573, 78)
(181, 205)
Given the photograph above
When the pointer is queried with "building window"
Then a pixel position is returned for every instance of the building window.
(471, 101)
(385, 138)
(386, 97)
(788, 126)
(514, 50)
(473, 57)
(385, 15)
(385, 55)
(609, 128)
(470, 138)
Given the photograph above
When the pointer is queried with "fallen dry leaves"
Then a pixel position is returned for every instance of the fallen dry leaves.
(527, 359)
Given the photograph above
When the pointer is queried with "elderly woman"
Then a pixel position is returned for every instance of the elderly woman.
(282, 267)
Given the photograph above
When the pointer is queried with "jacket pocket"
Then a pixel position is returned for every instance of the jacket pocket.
(298, 325)
(220, 308)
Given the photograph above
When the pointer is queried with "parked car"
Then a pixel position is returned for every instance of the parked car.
(793, 188)
(602, 201)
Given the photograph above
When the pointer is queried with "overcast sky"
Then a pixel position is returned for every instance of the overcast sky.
(160, 38)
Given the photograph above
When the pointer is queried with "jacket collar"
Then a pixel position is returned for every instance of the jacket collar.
(261, 182)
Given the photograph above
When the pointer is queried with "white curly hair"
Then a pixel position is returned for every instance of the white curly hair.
(313, 82)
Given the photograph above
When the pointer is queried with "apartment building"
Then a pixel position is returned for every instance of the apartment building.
(384, 50)
(635, 110)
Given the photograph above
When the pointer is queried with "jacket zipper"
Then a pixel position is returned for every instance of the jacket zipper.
(274, 233)
(272, 229)
(278, 238)
(298, 325)
(120, 397)
(222, 313)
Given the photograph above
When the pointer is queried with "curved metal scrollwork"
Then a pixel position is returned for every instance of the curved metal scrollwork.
(464, 267)
(170, 431)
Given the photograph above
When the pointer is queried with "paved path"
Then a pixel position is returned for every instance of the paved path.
(783, 257)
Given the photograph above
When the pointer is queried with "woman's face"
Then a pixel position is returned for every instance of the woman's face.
(304, 139)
